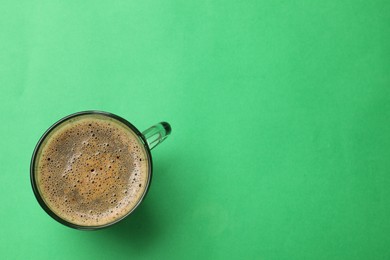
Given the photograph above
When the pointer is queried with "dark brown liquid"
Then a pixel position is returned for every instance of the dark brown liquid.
(92, 170)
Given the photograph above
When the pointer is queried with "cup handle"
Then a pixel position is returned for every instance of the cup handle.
(154, 135)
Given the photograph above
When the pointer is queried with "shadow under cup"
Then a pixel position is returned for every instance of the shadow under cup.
(147, 141)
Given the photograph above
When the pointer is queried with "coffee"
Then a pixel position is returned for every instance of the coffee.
(92, 170)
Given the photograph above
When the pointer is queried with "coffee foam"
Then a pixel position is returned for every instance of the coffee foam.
(92, 170)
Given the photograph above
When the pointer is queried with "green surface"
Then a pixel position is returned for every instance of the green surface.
(280, 113)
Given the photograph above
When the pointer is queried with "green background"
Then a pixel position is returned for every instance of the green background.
(280, 112)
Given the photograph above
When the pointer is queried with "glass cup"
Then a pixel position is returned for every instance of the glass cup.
(149, 138)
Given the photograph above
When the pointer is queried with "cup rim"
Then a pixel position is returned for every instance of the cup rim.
(49, 130)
